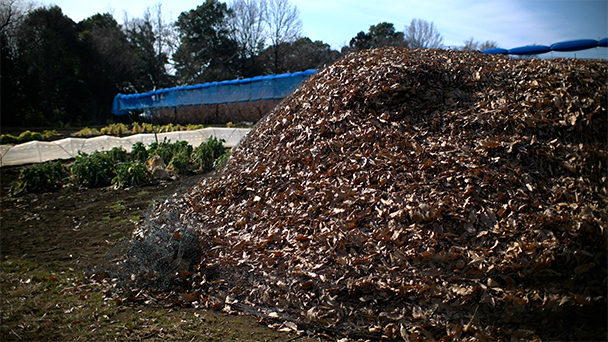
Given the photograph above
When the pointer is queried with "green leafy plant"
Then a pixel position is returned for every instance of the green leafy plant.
(115, 129)
(23, 137)
(222, 160)
(206, 153)
(217, 146)
(8, 139)
(129, 174)
(87, 132)
(139, 152)
(163, 149)
(94, 170)
(180, 162)
(27, 136)
(39, 178)
(117, 155)
(194, 127)
(149, 128)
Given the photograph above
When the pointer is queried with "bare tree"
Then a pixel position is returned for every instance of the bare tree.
(283, 24)
(472, 45)
(488, 44)
(423, 35)
(12, 13)
(166, 35)
(469, 45)
(247, 25)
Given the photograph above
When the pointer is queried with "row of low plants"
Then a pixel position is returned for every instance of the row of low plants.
(121, 169)
(115, 129)
(27, 136)
(135, 128)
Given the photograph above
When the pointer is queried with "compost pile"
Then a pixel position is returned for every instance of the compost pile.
(410, 194)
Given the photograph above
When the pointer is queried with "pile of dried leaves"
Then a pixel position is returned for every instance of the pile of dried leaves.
(416, 195)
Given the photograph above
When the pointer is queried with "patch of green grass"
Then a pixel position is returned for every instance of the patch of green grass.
(118, 206)
(135, 218)
(10, 265)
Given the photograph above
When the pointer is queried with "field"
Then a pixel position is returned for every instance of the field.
(50, 243)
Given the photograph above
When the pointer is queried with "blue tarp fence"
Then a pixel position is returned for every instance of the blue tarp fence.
(279, 86)
(570, 45)
(241, 90)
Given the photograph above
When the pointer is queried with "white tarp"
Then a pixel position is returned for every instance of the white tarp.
(42, 151)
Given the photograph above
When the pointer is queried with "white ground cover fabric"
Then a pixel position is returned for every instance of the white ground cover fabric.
(42, 151)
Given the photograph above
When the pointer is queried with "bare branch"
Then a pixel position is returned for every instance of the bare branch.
(421, 34)
(247, 25)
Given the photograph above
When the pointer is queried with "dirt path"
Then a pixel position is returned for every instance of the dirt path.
(48, 241)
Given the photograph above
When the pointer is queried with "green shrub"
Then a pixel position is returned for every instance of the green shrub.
(222, 160)
(46, 134)
(149, 128)
(206, 153)
(94, 170)
(194, 127)
(217, 146)
(8, 139)
(180, 163)
(130, 174)
(39, 178)
(117, 155)
(115, 129)
(139, 152)
(202, 158)
(29, 136)
(163, 149)
(87, 132)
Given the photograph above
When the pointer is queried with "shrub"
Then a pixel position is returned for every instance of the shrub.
(194, 127)
(39, 178)
(87, 132)
(149, 128)
(115, 129)
(180, 161)
(206, 153)
(130, 174)
(94, 170)
(202, 158)
(139, 152)
(117, 155)
(163, 149)
(46, 134)
(8, 139)
(137, 128)
(29, 136)
(217, 146)
(222, 160)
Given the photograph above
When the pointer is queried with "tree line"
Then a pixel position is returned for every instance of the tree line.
(56, 72)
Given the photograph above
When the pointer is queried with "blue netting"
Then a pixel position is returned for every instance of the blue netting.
(249, 89)
(570, 45)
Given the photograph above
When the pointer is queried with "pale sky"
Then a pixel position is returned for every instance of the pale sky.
(510, 23)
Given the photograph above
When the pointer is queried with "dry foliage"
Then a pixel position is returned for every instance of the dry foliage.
(416, 195)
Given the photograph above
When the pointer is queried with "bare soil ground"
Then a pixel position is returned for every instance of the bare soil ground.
(48, 242)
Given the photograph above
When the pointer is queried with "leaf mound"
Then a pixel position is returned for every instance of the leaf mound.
(417, 195)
